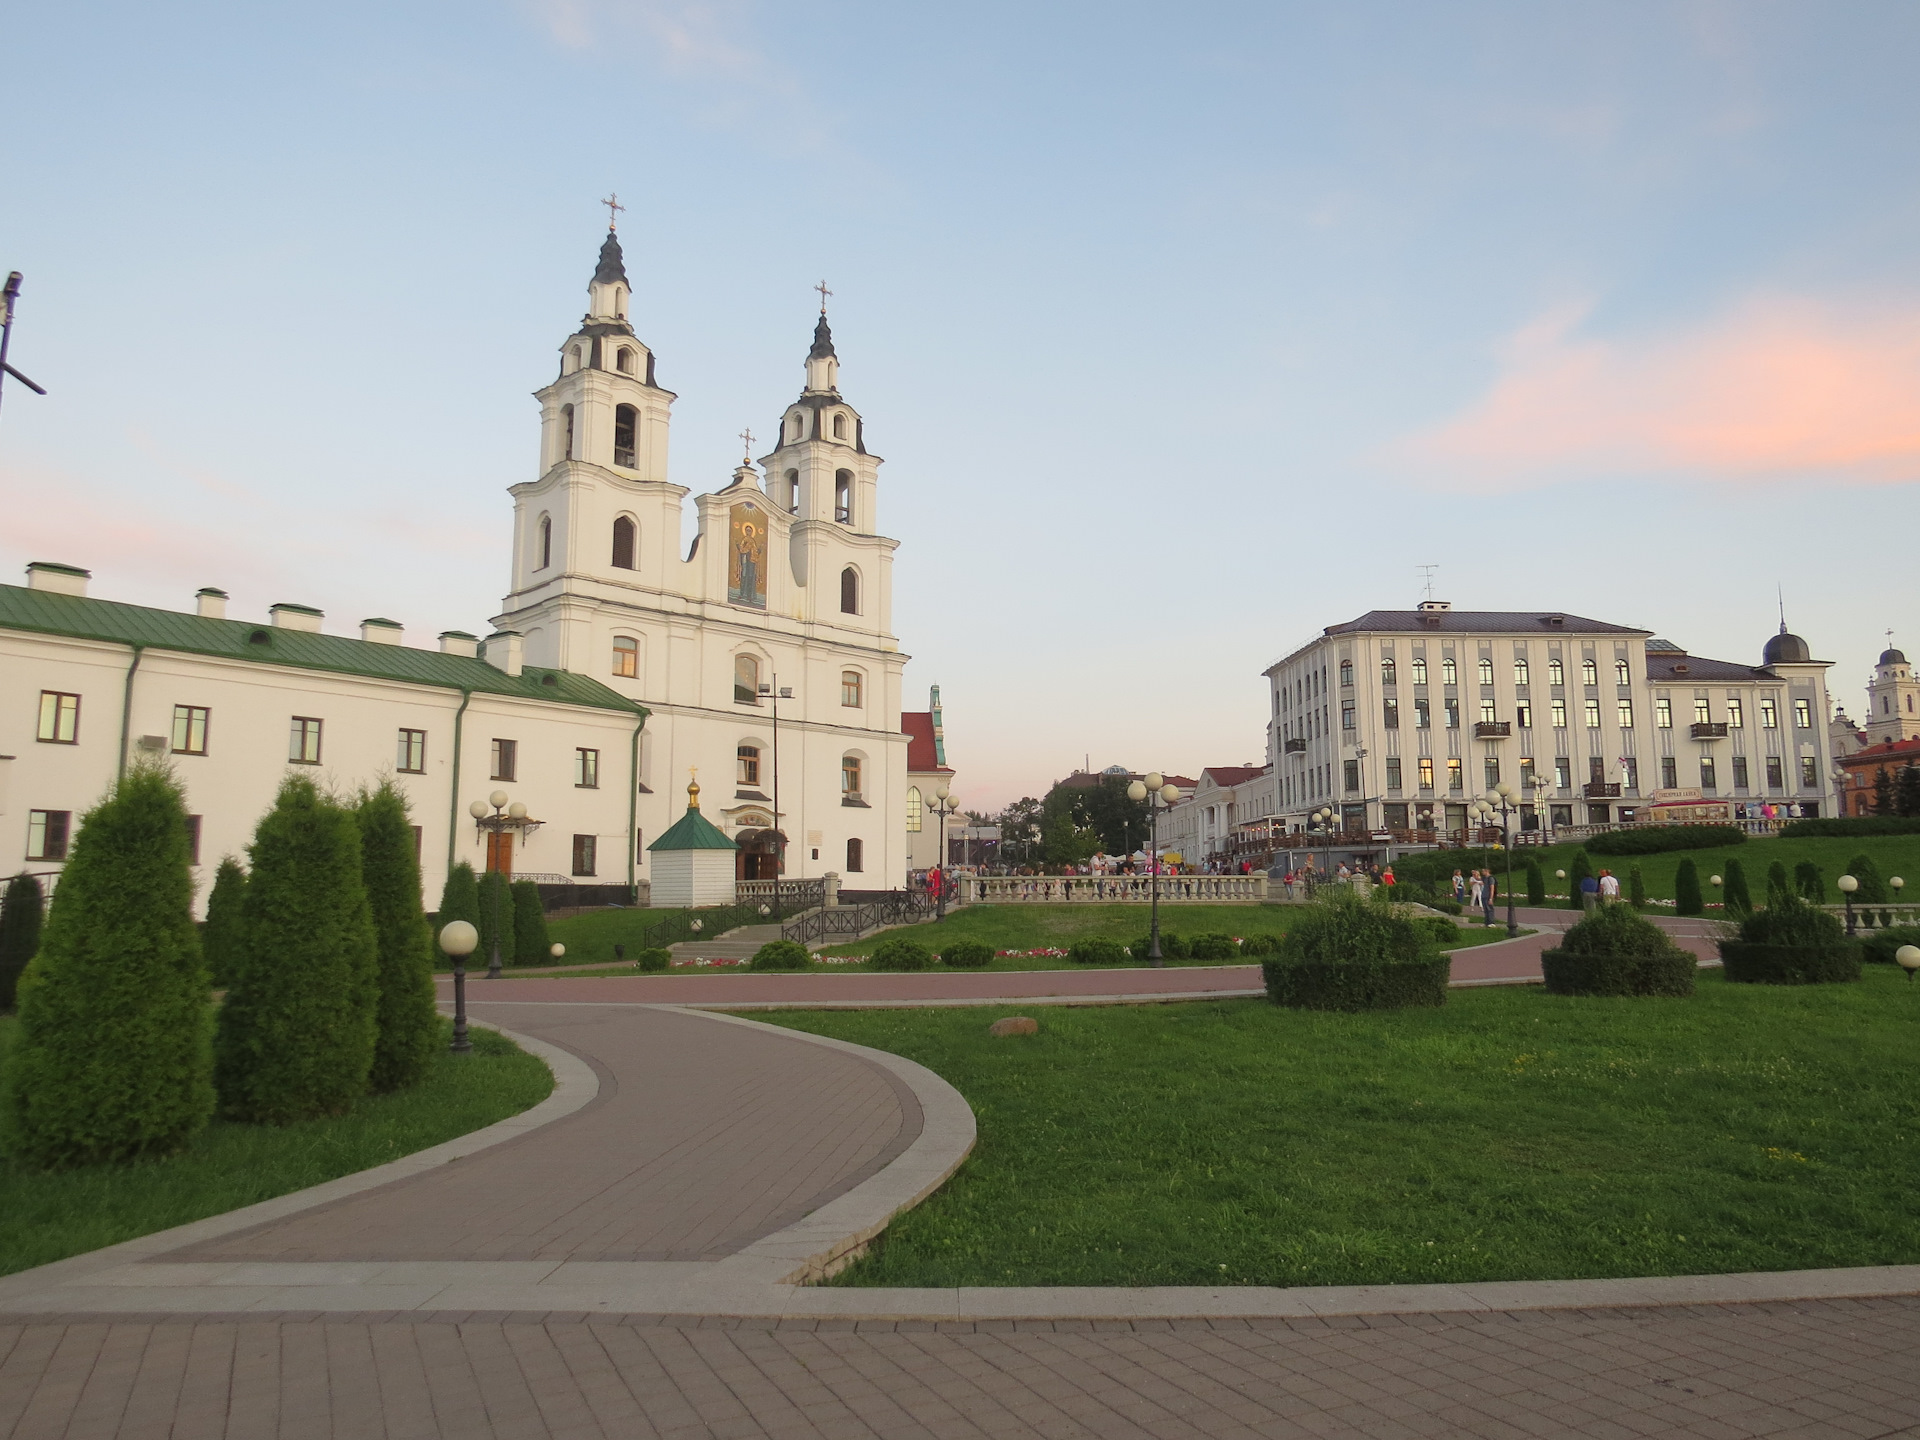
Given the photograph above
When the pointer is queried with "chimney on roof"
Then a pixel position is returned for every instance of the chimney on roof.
(504, 651)
(288, 616)
(458, 642)
(60, 579)
(381, 632)
(210, 603)
(1435, 607)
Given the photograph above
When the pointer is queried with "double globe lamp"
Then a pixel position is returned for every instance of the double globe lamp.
(1159, 795)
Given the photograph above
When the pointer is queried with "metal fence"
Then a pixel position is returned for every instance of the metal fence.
(790, 895)
(893, 907)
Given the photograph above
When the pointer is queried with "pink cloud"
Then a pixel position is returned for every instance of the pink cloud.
(1779, 388)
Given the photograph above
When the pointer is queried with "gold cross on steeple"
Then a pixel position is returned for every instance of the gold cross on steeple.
(614, 207)
(746, 438)
(824, 292)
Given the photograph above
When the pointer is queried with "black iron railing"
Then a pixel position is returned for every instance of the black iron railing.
(895, 907)
(707, 922)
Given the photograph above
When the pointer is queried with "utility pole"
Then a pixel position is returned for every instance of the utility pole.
(10, 302)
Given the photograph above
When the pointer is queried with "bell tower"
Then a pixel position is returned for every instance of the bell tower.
(822, 470)
(1893, 700)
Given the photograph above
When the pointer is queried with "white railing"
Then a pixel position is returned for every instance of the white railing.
(1096, 889)
(1877, 914)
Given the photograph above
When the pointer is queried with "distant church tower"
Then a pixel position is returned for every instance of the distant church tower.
(1893, 700)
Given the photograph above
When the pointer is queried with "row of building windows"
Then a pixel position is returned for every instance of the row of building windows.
(1557, 710)
(747, 772)
(747, 688)
(1522, 671)
(1455, 774)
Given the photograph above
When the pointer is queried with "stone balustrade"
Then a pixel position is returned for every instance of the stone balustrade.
(1107, 889)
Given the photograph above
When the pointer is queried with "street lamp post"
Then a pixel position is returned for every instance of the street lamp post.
(504, 817)
(1848, 884)
(775, 693)
(1504, 800)
(1159, 795)
(943, 806)
(457, 939)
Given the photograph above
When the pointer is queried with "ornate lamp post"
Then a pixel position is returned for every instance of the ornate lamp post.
(1848, 884)
(503, 817)
(1504, 801)
(943, 806)
(457, 939)
(1159, 796)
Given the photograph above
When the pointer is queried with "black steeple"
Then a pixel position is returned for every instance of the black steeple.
(822, 341)
(613, 265)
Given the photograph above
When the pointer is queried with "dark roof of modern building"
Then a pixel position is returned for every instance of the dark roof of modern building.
(1226, 776)
(81, 617)
(823, 341)
(921, 756)
(612, 269)
(1679, 667)
(1500, 622)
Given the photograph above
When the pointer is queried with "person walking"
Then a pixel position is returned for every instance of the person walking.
(1476, 889)
(1459, 888)
(1609, 887)
(1487, 896)
(1589, 892)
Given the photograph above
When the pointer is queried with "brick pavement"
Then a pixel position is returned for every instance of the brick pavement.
(703, 1138)
(1795, 1371)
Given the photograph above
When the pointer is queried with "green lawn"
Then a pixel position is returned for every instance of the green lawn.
(48, 1216)
(1511, 1135)
(1893, 854)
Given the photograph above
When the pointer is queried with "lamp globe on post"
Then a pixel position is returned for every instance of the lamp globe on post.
(1508, 801)
(1908, 957)
(1848, 884)
(557, 950)
(457, 939)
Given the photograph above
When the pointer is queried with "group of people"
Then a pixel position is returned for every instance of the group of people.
(1477, 889)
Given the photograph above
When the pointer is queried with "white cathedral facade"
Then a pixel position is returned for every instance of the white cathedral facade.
(762, 660)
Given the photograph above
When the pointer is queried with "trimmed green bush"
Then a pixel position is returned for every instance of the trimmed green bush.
(1342, 955)
(1636, 889)
(900, 953)
(23, 913)
(220, 935)
(1578, 869)
(1098, 950)
(653, 960)
(1810, 884)
(967, 954)
(530, 940)
(1172, 947)
(406, 1025)
(1443, 930)
(1686, 890)
(1617, 951)
(295, 1037)
(459, 899)
(776, 955)
(1790, 944)
(1255, 946)
(1779, 887)
(1536, 884)
(1873, 886)
(496, 908)
(1660, 839)
(113, 1059)
(1855, 825)
(1213, 947)
(1737, 899)
(1878, 948)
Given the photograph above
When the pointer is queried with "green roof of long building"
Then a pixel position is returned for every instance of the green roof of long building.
(81, 617)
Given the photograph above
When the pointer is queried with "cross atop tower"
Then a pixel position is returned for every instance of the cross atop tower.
(614, 207)
(824, 293)
(746, 439)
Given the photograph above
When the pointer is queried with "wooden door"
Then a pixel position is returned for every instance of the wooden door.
(500, 851)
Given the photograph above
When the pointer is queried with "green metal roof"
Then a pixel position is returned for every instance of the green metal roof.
(46, 612)
(693, 831)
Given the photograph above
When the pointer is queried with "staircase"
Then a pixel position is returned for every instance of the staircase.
(737, 944)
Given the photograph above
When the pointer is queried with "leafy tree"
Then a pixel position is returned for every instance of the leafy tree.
(1737, 898)
(530, 940)
(496, 908)
(1686, 889)
(406, 1025)
(220, 937)
(1779, 888)
(296, 1034)
(1066, 843)
(22, 914)
(1536, 884)
(1884, 802)
(459, 897)
(1811, 884)
(1578, 869)
(1873, 886)
(1636, 889)
(113, 1060)
(1020, 831)
(1906, 792)
(1120, 822)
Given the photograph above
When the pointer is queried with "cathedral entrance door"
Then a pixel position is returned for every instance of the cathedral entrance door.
(500, 851)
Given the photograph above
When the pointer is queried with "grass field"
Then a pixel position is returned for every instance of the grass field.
(1510, 1135)
(48, 1216)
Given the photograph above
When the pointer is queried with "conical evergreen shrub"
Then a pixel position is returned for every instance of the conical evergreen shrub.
(1779, 888)
(1578, 869)
(296, 1033)
(459, 897)
(1686, 890)
(1737, 899)
(1811, 884)
(23, 912)
(1873, 886)
(496, 908)
(1636, 889)
(406, 1025)
(113, 1060)
(220, 936)
(530, 940)
(1536, 884)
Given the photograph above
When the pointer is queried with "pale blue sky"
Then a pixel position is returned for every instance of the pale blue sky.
(1184, 331)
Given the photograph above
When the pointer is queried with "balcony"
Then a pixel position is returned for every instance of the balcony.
(1600, 790)
(1492, 729)
(1708, 730)
(1295, 746)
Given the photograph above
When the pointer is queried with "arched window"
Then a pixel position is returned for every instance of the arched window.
(1346, 672)
(796, 424)
(574, 355)
(1589, 672)
(839, 427)
(566, 416)
(1449, 674)
(623, 544)
(746, 680)
(624, 361)
(1486, 670)
(1387, 672)
(546, 542)
(1419, 670)
(626, 657)
(625, 419)
(1621, 674)
(849, 591)
(843, 496)
(913, 809)
(793, 492)
(855, 857)
(748, 758)
(850, 780)
(850, 688)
